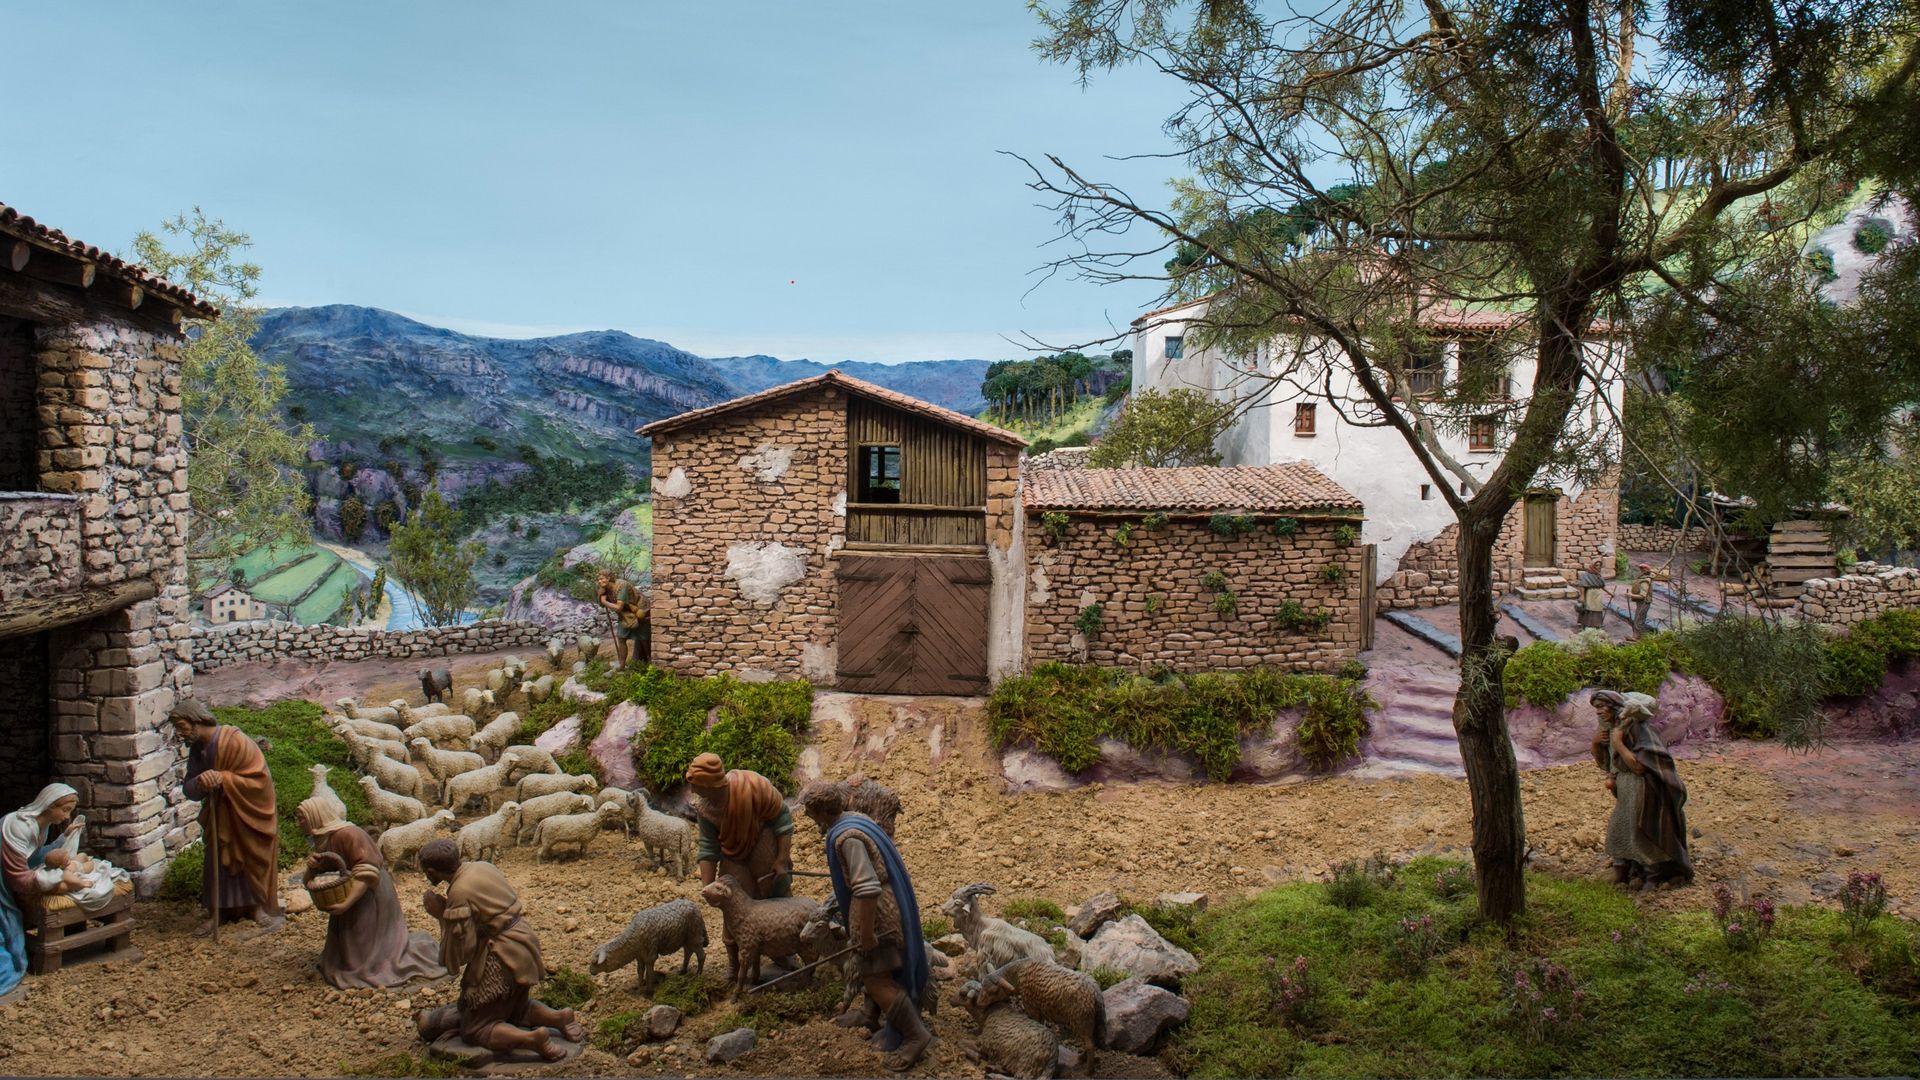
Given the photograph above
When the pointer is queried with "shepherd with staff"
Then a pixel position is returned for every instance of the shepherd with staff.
(227, 774)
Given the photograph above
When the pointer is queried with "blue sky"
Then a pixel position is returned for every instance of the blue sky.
(813, 180)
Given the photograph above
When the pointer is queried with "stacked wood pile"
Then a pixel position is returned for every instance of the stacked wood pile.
(1798, 551)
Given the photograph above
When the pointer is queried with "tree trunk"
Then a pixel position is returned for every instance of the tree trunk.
(1480, 721)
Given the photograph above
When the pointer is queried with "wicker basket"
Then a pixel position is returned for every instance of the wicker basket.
(329, 887)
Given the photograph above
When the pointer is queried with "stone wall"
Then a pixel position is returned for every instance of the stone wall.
(1429, 573)
(247, 642)
(1663, 538)
(1865, 591)
(39, 544)
(1185, 631)
(749, 508)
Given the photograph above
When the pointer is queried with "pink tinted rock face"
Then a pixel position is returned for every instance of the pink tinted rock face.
(1889, 713)
(561, 737)
(1687, 712)
(1264, 759)
(612, 748)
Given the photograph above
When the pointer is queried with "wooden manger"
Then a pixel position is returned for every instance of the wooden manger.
(56, 926)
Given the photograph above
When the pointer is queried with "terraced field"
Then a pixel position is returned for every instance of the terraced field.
(310, 580)
(328, 595)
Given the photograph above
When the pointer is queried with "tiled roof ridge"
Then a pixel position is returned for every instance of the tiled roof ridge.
(1278, 488)
(16, 224)
(836, 377)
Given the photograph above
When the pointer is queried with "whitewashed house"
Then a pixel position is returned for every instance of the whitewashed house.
(1553, 534)
(230, 603)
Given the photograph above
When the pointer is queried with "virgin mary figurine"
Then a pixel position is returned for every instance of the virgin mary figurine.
(40, 855)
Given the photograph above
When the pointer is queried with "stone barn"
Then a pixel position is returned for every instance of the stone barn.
(93, 525)
(835, 530)
(1197, 569)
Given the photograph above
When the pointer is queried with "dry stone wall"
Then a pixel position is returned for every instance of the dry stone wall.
(39, 544)
(1164, 567)
(746, 521)
(1867, 590)
(1429, 573)
(248, 642)
(1663, 538)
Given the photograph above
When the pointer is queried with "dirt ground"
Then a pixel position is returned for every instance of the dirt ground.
(1789, 826)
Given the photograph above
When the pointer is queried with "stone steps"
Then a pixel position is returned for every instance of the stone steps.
(1413, 730)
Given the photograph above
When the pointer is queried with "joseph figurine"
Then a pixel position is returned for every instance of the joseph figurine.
(227, 774)
(745, 828)
(483, 935)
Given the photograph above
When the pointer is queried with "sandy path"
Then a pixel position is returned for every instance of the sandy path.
(1790, 825)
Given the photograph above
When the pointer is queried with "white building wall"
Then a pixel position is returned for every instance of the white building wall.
(1374, 463)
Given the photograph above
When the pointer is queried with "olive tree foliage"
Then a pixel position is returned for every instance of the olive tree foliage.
(243, 460)
(1363, 174)
(433, 563)
(1161, 429)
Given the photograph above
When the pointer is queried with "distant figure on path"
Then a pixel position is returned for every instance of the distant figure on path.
(227, 773)
(1641, 593)
(1647, 832)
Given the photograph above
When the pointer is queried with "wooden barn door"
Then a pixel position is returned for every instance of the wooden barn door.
(1540, 529)
(913, 624)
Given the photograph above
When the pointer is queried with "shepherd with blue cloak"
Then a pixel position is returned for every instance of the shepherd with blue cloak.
(872, 890)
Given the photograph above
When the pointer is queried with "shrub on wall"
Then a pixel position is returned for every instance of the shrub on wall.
(756, 726)
(1542, 674)
(1231, 524)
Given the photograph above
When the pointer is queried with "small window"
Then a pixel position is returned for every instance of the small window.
(879, 474)
(1426, 492)
(1426, 367)
(1303, 418)
(1176, 348)
(1485, 372)
(1481, 431)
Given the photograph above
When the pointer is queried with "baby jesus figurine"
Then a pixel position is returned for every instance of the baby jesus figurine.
(42, 847)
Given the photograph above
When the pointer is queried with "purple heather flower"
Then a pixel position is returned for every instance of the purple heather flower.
(1549, 1015)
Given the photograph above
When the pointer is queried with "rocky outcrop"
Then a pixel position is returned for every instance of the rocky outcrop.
(1132, 946)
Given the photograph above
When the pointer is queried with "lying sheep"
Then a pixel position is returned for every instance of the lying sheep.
(449, 732)
(390, 809)
(473, 699)
(403, 842)
(368, 728)
(1011, 1042)
(443, 765)
(482, 783)
(535, 810)
(537, 690)
(398, 777)
(532, 759)
(535, 785)
(994, 942)
(324, 790)
(661, 930)
(485, 837)
(436, 684)
(492, 739)
(1047, 991)
(756, 928)
(572, 829)
(668, 840)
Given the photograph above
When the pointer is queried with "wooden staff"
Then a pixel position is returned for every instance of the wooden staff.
(213, 853)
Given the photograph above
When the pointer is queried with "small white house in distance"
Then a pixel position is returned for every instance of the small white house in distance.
(1552, 535)
(229, 603)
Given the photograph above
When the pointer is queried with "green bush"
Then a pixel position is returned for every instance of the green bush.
(1542, 674)
(1851, 668)
(1055, 524)
(1346, 535)
(1088, 621)
(1294, 617)
(1358, 883)
(1225, 604)
(1630, 667)
(1231, 524)
(1213, 579)
(1872, 238)
(757, 726)
(297, 740)
(185, 874)
(1894, 633)
(1333, 573)
(1771, 674)
(1107, 978)
(1333, 723)
(1285, 526)
(690, 993)
(1064, 710)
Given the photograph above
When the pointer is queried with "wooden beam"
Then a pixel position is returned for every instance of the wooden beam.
(33, 614)
(121, 293)
(17, 253)
(21, 297)
(62, 270)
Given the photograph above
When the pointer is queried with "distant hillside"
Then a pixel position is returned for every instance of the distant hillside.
(360, 375)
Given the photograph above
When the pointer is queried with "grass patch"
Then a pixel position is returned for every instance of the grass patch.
(1792, 1007)
(325, 600)
(290, 582)
(933, 928)
(756, 726)
(618, 1033)
(1064, 710)
(1033, 908)
(1107, 978)
(402, 1064)
(690, 993)
(297, 741)
(768, 1012)
(566, 988)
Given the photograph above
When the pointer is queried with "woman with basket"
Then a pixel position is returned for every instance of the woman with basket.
(368, 944)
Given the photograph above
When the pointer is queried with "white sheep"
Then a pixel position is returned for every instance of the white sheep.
(578, 829)
(588, 645)
(994, 942)
(448, 732)
(492, 739)
(497, 681)
(482, 783)
(443, 765)
(513, 668)
(538, 784)
(667, 840)
(409, 714)
(625, 800)
(384, 714)
(555, 649)
(324, 790)
(535, 810)
(531, 759)
(399, 777)
(403, 842)
(362, 749)
(537, 690)
(488, 835)
(473, 699)
(390, 809)
(367, 728)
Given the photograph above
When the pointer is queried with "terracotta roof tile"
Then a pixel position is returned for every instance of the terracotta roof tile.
(1290, 487)
(14, 223)
(852, 386)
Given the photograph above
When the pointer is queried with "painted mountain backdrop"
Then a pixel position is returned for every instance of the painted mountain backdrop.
(361, 375)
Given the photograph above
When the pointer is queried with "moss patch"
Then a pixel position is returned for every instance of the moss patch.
(297, 741)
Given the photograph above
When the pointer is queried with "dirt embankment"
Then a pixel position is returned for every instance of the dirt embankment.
(1789, 825)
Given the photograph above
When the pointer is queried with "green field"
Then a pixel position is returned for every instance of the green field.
(260, 561)
(309, 577)
(325, 601)
(291, 581)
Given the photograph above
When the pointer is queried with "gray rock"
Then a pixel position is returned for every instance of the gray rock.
(1131, 946)
(724, 1048)
(662, 1022)
(1195, 900)
(1098, 911)
(952, 944)
(1139, 1014)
